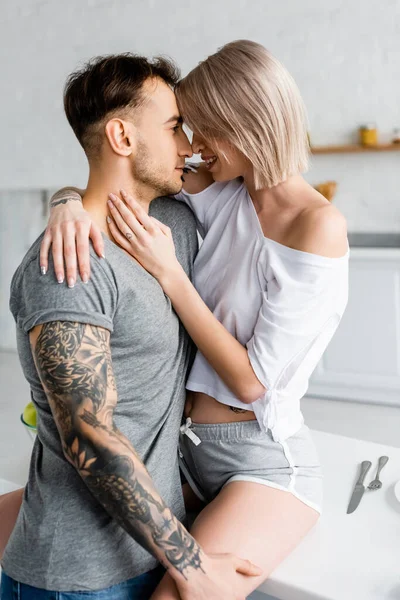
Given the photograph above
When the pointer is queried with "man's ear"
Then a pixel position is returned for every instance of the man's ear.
(120, 135)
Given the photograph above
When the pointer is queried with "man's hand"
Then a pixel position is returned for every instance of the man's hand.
(217, 578)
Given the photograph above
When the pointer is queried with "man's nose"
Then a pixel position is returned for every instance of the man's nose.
(185, 148)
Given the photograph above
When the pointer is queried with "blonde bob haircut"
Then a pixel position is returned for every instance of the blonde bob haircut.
(244, 96)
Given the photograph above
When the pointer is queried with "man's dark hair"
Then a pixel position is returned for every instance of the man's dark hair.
(107, 85)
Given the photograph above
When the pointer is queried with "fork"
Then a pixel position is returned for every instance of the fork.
(376, 484)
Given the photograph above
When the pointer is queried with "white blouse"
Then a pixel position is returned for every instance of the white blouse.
(283, 304)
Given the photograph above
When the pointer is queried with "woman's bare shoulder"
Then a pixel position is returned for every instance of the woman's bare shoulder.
(321, 229)
(196, 178)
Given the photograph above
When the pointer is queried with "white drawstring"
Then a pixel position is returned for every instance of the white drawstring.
(185, 430)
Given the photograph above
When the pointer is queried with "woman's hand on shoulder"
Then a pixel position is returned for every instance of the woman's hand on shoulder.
(196, 178)
(68, 232)
(321, 229)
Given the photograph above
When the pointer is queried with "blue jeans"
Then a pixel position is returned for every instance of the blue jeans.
(138, 588)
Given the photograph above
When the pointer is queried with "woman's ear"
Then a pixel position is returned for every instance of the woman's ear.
(120, 136)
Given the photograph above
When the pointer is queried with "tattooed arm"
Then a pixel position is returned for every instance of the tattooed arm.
(74, 364)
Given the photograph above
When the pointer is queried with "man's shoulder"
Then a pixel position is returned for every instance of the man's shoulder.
(28, 285)
(29, 261)
(172, 213)
(180, 219)
(36, 299)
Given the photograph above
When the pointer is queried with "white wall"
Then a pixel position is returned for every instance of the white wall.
(22, 217)
(344, 55)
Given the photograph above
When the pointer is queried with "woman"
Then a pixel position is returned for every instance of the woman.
(271, 280)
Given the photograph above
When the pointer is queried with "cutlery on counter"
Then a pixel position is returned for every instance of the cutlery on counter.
(376, 484)
(359, 488)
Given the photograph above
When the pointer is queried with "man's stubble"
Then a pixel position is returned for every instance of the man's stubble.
(146, 172)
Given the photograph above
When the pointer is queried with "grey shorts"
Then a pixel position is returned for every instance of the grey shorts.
(211, 456)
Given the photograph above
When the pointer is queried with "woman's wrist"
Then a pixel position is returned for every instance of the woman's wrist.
(66, 195)
(172, 279)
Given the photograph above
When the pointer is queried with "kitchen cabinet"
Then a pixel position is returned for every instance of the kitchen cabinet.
(362, 362)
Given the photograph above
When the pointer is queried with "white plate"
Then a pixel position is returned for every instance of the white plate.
(397, 490)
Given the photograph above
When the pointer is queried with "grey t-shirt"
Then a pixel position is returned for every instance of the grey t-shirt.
(64, 540)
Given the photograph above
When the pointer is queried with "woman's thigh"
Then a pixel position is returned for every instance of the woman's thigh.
(9, 508)
(253, 521)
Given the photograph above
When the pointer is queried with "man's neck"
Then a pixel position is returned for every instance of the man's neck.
(101, 184)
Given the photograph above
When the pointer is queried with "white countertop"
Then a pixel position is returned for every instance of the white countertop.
(347, 557)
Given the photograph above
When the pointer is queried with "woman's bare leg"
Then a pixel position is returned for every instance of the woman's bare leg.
(9, 508)
(253, 521)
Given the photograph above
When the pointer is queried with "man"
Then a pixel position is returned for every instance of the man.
(106, 361)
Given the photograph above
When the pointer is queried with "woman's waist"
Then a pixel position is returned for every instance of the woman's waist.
(202, 408)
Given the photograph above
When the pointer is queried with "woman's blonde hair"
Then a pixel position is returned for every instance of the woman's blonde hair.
(243, 95)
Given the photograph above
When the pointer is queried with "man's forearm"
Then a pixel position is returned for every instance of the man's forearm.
(117, 478)
(66, 194)
(75, 367)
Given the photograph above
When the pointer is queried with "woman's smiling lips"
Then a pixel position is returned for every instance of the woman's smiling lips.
(209, 161)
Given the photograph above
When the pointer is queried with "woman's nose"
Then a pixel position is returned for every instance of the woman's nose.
(197, 145)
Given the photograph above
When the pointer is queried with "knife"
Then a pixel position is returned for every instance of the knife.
(359, 488)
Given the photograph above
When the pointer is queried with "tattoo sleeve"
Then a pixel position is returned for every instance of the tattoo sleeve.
(74, 364)
(66, 195)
